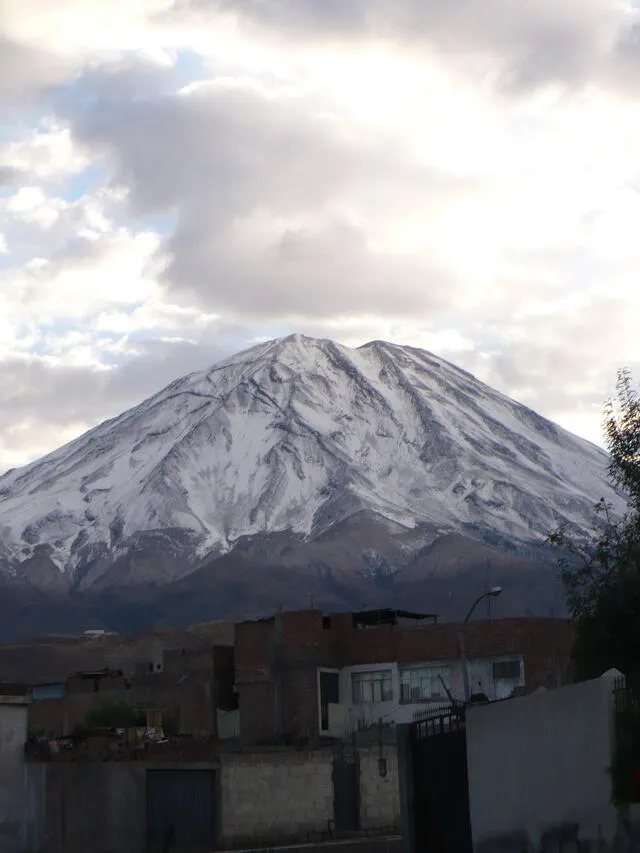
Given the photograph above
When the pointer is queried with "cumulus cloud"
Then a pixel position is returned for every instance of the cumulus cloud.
(190, 176)
(281, 210)
(514, 47)
(26, 71)
(48, 400)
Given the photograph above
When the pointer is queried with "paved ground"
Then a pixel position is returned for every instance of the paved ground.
(388, 844)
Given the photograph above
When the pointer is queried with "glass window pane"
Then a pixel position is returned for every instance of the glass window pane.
(425, 683)
(375, 686)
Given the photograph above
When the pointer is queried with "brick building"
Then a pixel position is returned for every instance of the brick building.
(189, 686)
(300, 674)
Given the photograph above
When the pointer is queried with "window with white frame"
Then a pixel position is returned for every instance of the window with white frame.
(424, 683)
(372, 686)
(506, 670)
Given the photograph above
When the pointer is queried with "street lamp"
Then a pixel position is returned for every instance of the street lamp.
(492, 593)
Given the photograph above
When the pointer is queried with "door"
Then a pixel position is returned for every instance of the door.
(181, 811)
(346, 792)
(441, 820)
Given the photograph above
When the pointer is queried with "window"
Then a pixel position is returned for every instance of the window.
(506, 670)
(423, 683)
(372, 687)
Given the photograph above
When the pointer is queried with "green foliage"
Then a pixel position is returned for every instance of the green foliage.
(114, 715)
(622, 437)
(602, 583)
(79, 731)
(171, 724)
(602, 576)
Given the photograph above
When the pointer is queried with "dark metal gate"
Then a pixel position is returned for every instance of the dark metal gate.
(181, 811)
(346, 790)
(440, 809)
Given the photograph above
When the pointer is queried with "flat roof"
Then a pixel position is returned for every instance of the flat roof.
(385, 615)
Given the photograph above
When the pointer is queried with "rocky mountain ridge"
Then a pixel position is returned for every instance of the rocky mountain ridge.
(269, 453)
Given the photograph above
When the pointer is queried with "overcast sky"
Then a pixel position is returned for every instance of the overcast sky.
(179, 180)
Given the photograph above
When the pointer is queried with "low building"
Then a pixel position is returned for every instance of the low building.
(189, 687)
(302, 674)
(15, 827)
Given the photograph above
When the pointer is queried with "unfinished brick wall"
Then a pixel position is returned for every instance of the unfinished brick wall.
(300, 702)
(185, 691)
(276, 675)
(257, 712)
(275, 797)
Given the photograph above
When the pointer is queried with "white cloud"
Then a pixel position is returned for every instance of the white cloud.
(43, 154)
(182, 178)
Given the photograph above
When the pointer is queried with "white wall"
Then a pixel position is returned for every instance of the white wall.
(13, 775)
(541, 761)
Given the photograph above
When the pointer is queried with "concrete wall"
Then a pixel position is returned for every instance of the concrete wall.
(96, 806)
(100, 806)
(379, 795)
(13, 777)
(538, 766)
(276, 795)
(36, 808)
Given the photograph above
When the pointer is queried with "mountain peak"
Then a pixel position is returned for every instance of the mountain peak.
(293, 436)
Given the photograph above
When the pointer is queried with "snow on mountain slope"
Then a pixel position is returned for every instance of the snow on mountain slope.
(296, 434)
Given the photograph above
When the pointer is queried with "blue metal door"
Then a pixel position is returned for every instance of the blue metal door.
(181, 811)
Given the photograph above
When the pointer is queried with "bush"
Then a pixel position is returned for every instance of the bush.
(114, 715)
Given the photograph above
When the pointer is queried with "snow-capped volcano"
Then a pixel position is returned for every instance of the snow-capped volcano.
(296, 435)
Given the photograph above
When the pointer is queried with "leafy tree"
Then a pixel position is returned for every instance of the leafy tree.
(602, 576)
(622, 437)
(114, 715)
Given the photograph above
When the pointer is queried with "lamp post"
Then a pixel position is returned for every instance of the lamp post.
(492, 593)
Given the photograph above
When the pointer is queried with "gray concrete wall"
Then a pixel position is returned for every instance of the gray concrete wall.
(275, 796)
(100, 807)
(96, 806)
(379, 795)
(35, 776)
(539, 768)
(13, 780)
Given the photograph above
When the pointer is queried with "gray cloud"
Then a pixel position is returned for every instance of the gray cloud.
(547, 361)
(333, 18)
(41, 399)
(9, 176)
(26, 72)
(255, 180)
(512, 46)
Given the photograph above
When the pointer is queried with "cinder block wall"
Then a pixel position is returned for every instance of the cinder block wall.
(379, 796)
(276, 795)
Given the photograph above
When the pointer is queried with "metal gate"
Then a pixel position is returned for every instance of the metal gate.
(346, 791)
(181, 811)
(440, 812)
